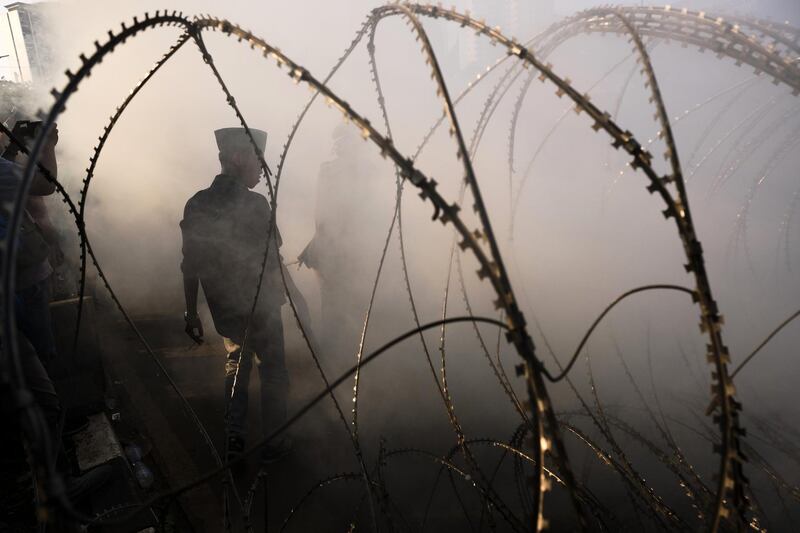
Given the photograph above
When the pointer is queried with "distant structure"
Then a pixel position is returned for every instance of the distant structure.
(520, 18)
(461, 54)
(24, 54)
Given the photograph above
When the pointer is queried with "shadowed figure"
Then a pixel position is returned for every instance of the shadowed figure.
(224, 231)
(342, 250)
(33, 269)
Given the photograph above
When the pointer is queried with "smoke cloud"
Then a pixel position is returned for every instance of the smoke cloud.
(584, 228)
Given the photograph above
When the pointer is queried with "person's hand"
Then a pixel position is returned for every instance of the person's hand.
(52, 137)
(194, 328)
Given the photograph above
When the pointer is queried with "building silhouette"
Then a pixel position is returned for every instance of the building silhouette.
(24, 53)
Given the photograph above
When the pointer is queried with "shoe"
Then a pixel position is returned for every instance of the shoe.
(274, 452)
(79, 487)
(234, 448)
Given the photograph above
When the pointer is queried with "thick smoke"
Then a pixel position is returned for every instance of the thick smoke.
(585, 228)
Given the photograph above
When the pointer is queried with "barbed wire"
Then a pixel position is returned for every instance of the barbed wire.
(749, 120)
(731, 486)
(740, 150)
(783, 229)
(740, 233)
(462, 153)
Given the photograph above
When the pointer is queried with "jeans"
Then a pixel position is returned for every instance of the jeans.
(41, 387)
(36, 344)
(265, 341)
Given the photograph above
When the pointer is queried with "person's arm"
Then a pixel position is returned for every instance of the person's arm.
(296, 296)
(37, 208)
(41, 186)
(300, 306)
(191, 281)
(194, 327)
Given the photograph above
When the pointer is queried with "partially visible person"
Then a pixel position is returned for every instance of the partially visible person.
(348, 213)
(32, 271)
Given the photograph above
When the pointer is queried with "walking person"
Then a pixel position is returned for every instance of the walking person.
(224, 231)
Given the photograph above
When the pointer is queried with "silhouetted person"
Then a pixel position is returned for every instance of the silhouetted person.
(36, 341)
(224, 230)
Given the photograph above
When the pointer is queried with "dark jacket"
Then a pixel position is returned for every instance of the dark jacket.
(224, 232)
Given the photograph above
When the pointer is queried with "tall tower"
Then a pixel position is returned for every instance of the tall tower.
(494, 13)
(522, 19)
(517, 18)
(26, 53)
(543, 13)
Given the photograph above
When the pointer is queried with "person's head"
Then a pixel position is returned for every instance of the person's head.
(236, 155)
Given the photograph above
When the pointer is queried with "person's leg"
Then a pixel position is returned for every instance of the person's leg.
(15, 469)
(38, 382)
(41, 387)
(272, 372)
(35, 321)
(237, 377)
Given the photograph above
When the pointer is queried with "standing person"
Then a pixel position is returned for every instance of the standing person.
(224, 231)
(32, 271)
(349, 218)
(32, 311)
(34, 253)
